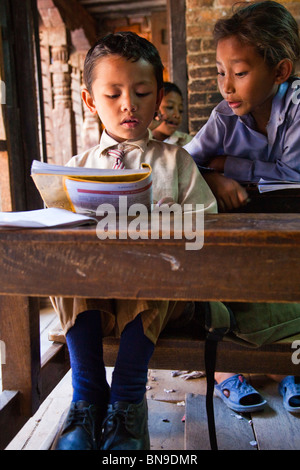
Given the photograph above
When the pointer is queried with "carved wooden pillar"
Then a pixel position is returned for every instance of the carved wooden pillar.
(63, 118)
(61, 77)
(66, 27)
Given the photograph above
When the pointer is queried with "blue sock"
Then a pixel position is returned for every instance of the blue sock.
(84, 342)
(131, 368)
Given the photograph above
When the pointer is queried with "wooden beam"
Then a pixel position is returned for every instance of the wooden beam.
(55, 364)
(177, 51)
(34, 383)
(11, 421)
(76, 17)
(175, 351)
(21, 336)
(21, 118)
(105, 8)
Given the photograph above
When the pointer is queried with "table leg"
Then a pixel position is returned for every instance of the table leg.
(20, 340)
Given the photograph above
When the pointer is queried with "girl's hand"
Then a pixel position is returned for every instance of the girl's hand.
(228, 193)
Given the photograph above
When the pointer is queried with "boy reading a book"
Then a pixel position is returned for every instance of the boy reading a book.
(123, 78)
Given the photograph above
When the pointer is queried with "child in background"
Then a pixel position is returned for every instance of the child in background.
(123, 75)
(170, 117)
(164, 128)
(252, 134)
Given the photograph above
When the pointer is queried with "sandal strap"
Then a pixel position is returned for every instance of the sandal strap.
(238, 387)
(291, 385)
(238, 383)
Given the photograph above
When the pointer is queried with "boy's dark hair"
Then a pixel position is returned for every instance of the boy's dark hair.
(125, 44)
(169, 86)
(267, 25)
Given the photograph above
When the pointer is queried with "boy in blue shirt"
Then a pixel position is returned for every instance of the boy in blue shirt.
(254, 132)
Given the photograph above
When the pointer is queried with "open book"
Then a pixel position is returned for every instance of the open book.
(276, 185)
(82, 190)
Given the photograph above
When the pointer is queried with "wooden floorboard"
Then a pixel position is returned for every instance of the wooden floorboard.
(169, 399)
(166, 409)
(275, 428)
(39, 431)
(166, 428)
(233, 431)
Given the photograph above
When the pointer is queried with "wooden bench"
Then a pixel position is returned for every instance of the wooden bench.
(245, 257)
(183, 349)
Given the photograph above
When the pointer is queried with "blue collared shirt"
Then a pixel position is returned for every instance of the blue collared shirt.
(250, 154)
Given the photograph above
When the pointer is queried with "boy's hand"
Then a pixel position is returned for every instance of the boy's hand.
(228, 192)
(218, 163)
(162, 204)
(165, 201)
(156, 121)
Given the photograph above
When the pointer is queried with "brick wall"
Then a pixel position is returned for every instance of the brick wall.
(203, 93)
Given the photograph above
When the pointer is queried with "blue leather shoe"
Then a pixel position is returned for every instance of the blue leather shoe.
(126, 427)
(81, 429)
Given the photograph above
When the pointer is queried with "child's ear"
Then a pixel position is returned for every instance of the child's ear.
(89, 101)
(283, 71)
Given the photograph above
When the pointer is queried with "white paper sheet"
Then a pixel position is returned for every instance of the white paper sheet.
(43, 218)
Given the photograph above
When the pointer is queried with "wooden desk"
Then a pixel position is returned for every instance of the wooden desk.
(245, 257)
